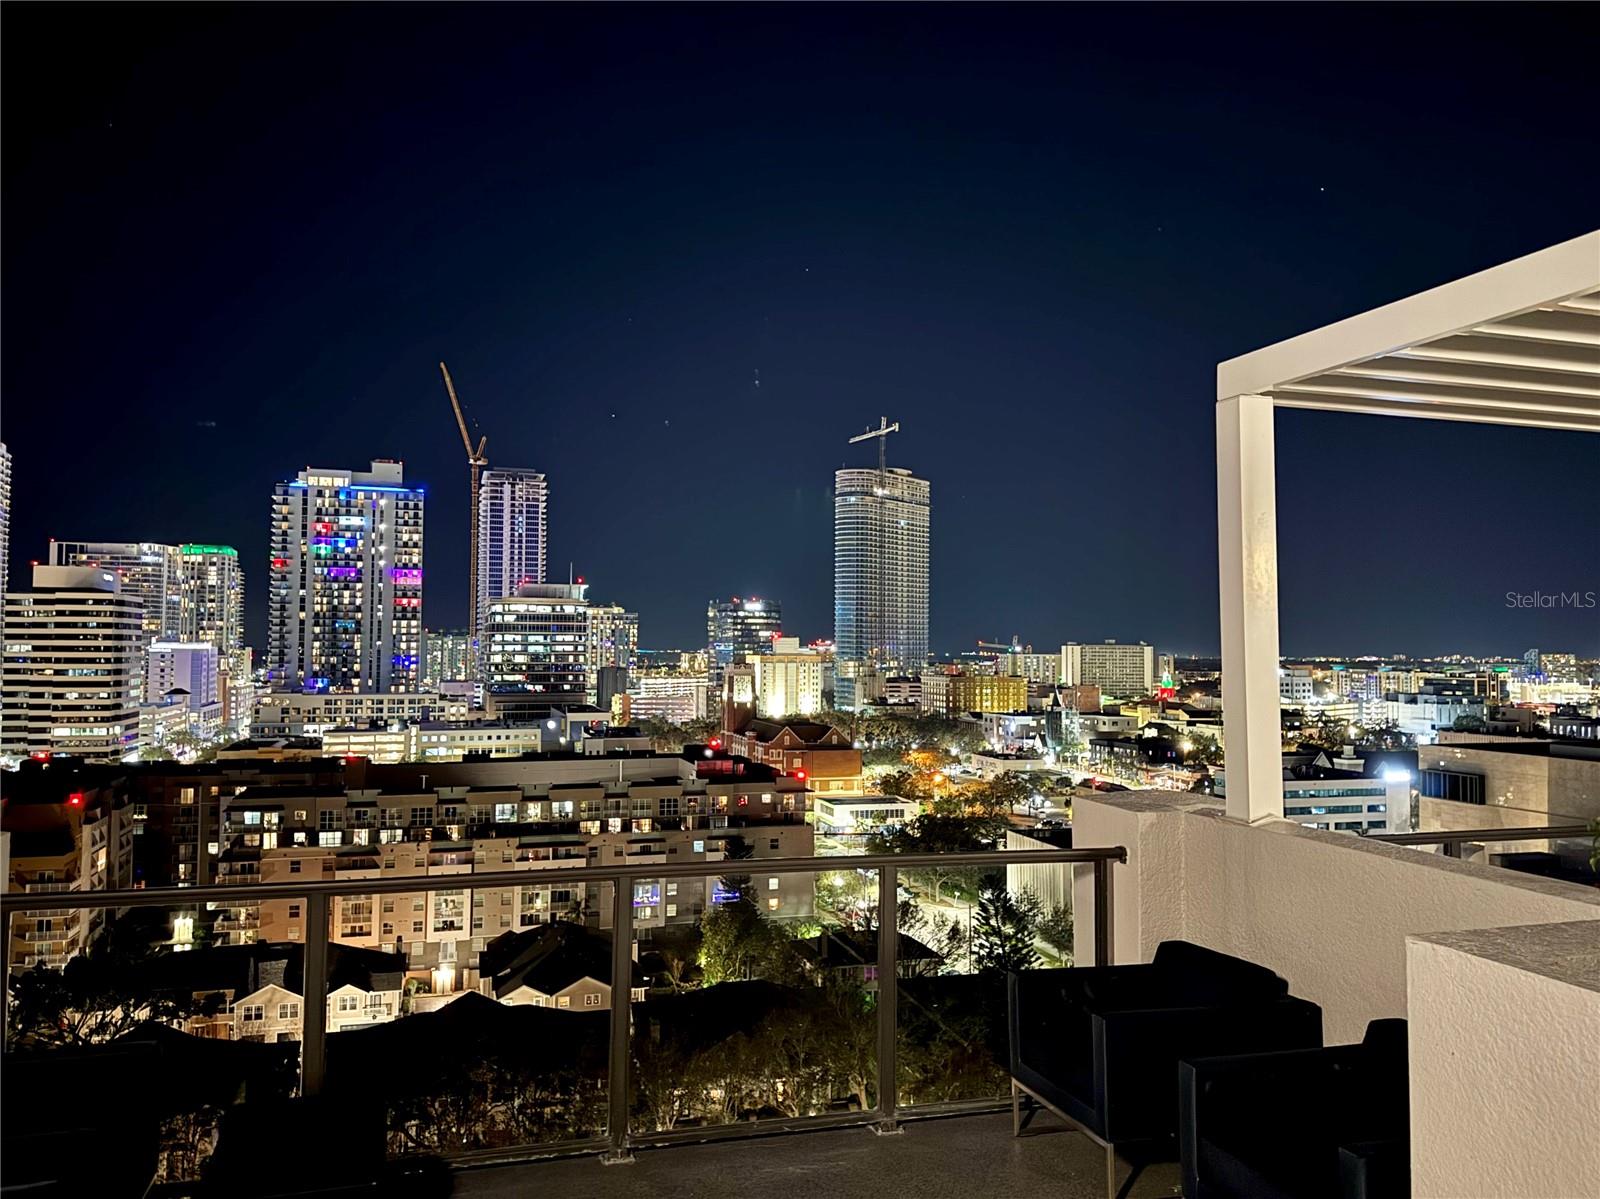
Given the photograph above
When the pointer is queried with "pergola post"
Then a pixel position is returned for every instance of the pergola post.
(1247, 556)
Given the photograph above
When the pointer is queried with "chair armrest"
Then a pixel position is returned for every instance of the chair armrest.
(1136, 1054)
(1219, 1096)
(1375, 1170)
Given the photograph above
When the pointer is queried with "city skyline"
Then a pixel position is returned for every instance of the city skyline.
(989, 293)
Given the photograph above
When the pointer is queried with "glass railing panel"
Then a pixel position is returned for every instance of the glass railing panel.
(142, 1003)
(960, 931)
(483, 1026)
(760, 999)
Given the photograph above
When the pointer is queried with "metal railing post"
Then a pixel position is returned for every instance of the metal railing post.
(618, 1093)
(1102, 912)
(314, 994)
(888, 997)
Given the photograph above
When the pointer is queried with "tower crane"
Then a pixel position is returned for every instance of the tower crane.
(477, 459)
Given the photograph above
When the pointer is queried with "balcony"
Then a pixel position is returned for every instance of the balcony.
(965, 1156)
(1496, 971)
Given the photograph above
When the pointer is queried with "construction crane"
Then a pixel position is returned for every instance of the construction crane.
(882, 434)
(477, 459)
(877, 618)
(1014, 648)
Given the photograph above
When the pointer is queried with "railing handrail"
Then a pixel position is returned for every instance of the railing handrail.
(1547, 832)
(235, 895)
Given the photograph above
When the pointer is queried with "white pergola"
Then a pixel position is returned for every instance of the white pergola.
(1517, 344)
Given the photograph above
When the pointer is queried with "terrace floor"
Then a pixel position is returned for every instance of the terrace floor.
(957, 1157)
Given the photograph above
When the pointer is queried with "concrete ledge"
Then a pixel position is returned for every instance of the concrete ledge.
(1329, 911)
(1505, 1060)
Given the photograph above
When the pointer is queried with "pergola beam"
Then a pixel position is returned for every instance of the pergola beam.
(1422, 370)
(1436, 410)
(1518, 344)
(1468, 350)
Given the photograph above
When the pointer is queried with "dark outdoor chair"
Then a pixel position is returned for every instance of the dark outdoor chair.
(1328, 1123)
(73, 1124)
(340, 1147)
(1099, 1046)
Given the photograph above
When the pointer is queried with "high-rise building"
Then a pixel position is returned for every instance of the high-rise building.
(511, 534)
(1123, 671)
(613, 636)
(736, 629)
(71, 676)
(539, 639)
(788, 680)
(446, 656)
(5, 517)
(344, 606)
(613, 647)
(151, 573)
(212, 605)
(880, 576)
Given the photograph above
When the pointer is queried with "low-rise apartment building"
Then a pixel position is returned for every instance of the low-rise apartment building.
(450, 821)
(297, 714)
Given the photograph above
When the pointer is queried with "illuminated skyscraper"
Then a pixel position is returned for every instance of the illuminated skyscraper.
(538, 639)
(880, 575)
(213, 598)
(73, 666)
(344, 602)
(5, 516)
(613, 645)
(446, 656)
(150, 573)
(511, 534)
(736, 629)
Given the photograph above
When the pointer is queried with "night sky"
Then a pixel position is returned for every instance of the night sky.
(238, 241)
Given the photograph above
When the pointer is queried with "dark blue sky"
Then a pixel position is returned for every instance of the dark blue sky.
(1026, 233)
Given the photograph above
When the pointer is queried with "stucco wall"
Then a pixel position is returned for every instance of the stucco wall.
(1505, 1062)
(1328, 911)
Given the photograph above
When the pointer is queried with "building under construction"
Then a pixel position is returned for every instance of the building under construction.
(880, 573)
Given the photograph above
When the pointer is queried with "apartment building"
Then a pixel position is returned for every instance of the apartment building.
(212, 607)
(512, 524)
(344, 609)
(1125, 671)
(286, 714)
(71, 678)
(985, 693)
(147, 572)
(435, 740)
(788, 679)
(450, 821)
(538, 638)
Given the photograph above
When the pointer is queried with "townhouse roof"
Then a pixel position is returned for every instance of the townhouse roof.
(549, 959)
